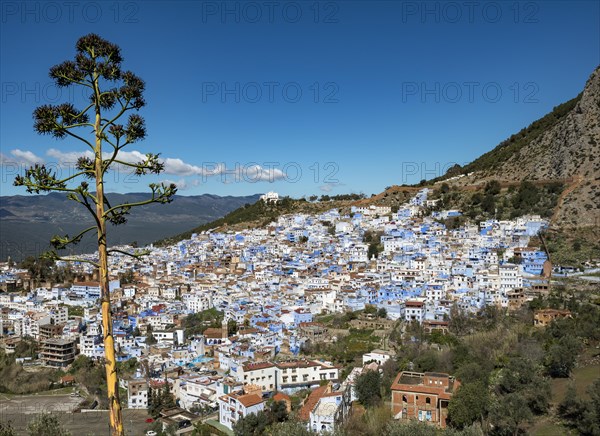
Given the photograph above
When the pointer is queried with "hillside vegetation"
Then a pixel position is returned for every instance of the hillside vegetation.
(493, 200)
(511, 147)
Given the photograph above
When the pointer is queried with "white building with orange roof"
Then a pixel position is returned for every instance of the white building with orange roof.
(238, 405)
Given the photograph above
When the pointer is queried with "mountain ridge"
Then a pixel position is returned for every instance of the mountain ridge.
(28, 222)
(574, 123)
(564, 145)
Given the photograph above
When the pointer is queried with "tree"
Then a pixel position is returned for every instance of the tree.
(39, 269)
(468, 404)
(232, 327)
(255, 424)
(370, 309)
(460, 323)
(571, 407)
(594, 393)
(561, 356)
(113, 93)
(251, 425)
(492, 187)
(47, 425)
(374, 250)
(150, 339)
(510, 414)
(368, 388)
(167, 399)
(390, 370)
(290, 428)
(382, 313)
(278, 412)
(126, 277)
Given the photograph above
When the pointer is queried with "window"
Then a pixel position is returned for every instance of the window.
(427, 400)
(404, 399)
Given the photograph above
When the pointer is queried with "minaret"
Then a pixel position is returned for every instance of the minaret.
(224, 334)
(200, 346)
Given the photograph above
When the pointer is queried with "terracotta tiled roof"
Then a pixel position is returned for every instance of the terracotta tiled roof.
(312, 401)
(257, 365)
(280, 396)
(89, 284)
(250, 400)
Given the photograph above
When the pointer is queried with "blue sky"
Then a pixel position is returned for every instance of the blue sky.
(303, 97)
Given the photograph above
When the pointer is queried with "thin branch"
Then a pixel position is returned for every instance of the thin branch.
(83, 232)
(75, 175)
(73, 240)
(117, 148)
(65, 259)
(53, 255)
(88, 206)
(129, 164)
(105, 138)
(78, 137)
(75, 81)
(116, 117)
(85, 110)
(71, 126)
(136, 256)
(48, 188)
(154, 199)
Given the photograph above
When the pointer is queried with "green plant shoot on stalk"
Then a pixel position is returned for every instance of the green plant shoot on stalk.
(107, 121)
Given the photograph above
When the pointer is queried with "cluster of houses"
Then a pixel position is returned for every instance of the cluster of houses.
(272, 281)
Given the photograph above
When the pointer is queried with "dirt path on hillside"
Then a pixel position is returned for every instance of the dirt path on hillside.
(574, 185)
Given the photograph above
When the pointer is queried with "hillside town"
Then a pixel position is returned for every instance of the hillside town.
(271, 287)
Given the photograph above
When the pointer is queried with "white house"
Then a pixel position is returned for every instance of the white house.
(270, 197)
(137, 394)
(238, 405)
(378, 356)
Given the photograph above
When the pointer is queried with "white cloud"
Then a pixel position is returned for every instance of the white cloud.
(179, 167)
(256, 173)
(328, 187)
(181, 184)
(173, 166)
(21, 158)
(69, 157)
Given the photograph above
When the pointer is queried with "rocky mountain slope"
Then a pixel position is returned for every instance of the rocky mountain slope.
(562, 146)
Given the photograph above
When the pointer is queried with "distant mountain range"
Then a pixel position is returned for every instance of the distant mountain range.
(27, 222)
